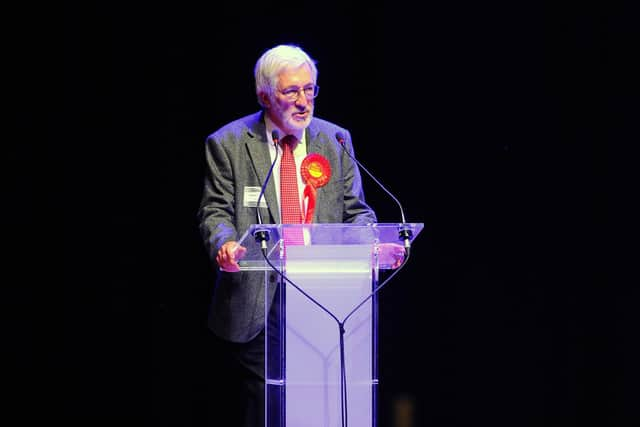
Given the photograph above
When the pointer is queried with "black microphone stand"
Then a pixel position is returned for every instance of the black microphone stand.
(262, 234)
(404, 231)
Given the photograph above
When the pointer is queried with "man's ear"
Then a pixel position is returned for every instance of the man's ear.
(264, 98)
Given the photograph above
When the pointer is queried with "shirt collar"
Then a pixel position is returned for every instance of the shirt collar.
(272, 126)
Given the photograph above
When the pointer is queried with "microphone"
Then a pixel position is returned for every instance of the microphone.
(261, 234)
(404, 233)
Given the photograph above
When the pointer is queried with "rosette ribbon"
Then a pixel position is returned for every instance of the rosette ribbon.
(316, 172)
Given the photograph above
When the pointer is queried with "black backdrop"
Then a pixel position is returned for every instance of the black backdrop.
(488, 122)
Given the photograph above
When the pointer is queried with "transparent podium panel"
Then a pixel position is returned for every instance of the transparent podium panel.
(321, 346)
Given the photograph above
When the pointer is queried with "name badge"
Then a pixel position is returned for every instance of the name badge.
(250, 199)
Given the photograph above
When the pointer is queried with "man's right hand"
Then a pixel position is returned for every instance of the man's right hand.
(228, 256)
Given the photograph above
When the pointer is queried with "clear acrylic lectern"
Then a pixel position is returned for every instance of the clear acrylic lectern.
(317, 376)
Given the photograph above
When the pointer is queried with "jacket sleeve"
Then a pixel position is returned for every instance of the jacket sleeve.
(216, 212)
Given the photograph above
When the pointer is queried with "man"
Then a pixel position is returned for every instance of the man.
(239, 156)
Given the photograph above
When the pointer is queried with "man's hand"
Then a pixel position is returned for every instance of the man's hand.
(228, 256)
(391, 254)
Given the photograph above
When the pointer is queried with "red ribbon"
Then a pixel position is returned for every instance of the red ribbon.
(310, 194)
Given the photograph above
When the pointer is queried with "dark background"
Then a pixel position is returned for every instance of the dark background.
(493, 124)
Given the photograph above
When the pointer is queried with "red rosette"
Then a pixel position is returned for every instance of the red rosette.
(315, 170)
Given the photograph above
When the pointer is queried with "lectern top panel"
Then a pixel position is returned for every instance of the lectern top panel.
(320, 234)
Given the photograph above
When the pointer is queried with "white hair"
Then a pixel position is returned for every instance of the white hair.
(274, 61)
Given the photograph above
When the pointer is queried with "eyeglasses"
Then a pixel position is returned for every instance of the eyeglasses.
(292, 93)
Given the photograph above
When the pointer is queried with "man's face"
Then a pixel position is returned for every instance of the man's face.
(289, 108)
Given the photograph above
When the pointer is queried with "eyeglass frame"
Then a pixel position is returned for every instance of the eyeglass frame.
(292, 94)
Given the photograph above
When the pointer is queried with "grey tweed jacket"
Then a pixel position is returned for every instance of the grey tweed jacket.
(237, 157)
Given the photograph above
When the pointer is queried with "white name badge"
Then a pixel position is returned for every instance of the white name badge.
(251, 195)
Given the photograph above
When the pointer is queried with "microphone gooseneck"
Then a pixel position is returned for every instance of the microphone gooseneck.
(404, 232)
(261, 234)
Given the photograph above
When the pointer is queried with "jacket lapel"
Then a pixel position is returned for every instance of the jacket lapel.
(258, 149)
